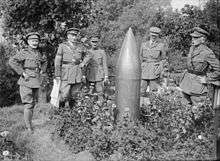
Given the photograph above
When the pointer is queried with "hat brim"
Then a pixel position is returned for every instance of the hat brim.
(154, 34)
(196, 35)
(73, 33)
(33, 37)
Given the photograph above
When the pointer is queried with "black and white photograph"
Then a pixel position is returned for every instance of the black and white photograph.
(109, 80)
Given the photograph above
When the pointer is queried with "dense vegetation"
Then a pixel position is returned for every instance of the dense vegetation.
(168, 129)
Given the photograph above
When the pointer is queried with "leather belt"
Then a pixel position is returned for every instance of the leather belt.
(151, 61)
(33, 68)
(195, 72)
(71, 63)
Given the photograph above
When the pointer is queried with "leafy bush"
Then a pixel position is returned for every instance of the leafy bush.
(8, 80)
(168, 129)
(14, 145)
(87, 113)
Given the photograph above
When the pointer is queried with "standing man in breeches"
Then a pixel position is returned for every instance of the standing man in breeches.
(153, 58)
(203, 68)
(29, 63)
(97, 70)
(71, 57)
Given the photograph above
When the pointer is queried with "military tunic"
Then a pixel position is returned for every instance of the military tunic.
(97, 68)
(32, 62)
(153, 59)
(67, 61)
(201, 62)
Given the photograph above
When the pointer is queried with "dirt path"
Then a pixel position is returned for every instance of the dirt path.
(43, 147)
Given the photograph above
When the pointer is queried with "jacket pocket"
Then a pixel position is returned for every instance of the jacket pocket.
(155, 54)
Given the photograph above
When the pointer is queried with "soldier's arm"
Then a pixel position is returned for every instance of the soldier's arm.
(105, 64)
(87, 57)
(44, 64)
(141, 53)
(58, 61)
(17, 62)
(213, 75)
(164, 54)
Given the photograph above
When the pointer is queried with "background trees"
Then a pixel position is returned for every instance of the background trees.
(108, 18)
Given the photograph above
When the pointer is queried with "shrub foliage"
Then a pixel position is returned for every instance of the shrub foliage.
(167, 129)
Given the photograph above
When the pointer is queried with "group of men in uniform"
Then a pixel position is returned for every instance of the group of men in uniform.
(72, 57)
(70, 62)
(203, 67)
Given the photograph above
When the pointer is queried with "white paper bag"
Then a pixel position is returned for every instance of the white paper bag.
(55, 93)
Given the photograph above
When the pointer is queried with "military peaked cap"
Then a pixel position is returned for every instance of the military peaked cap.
(155, 31)
(33, 35)
(72, 30)
(199, 32)
(94, 38)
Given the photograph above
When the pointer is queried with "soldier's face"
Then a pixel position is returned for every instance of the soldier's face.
(33, 43)
(94, 44)
(197, 41)
(73, 37)
(153, 37)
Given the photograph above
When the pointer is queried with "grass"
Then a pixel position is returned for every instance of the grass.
(11, 119)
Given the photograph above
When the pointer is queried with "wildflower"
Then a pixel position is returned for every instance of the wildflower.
(200, 137)
(4, 133)
(113, 105)
(5, 153)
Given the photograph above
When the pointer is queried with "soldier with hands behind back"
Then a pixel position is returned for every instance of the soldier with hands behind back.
(97, 70)
(70, 60)
(153, 58)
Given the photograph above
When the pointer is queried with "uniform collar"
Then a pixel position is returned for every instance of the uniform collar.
(197, 49)
(153, 44)
(32, 49)
(72, 43)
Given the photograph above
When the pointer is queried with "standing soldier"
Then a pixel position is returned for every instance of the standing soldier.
(97, 71)
(152, 62)
(202, 68)
(30, 64)
(70, 59)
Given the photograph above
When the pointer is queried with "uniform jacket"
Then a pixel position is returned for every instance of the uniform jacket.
(97, 68)
(153, 59)
(32, 62)
(201, 62)
(67, 61)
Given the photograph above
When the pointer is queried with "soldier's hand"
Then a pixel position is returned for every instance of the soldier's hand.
(84, 79)
(25, 76)
(81, 65)
(202, 79)
(106, 80)
(57, 79)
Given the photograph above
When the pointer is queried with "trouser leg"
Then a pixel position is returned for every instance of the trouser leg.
(154, 85)
(28, 96)
(99, 86)
(64, 93)
(186, 99)
(28, 115)
(74, 91)
(144, 99)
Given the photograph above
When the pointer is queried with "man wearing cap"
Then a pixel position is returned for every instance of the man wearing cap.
(70, 59)
(97, 70)
(29, 63)
(152, 62)
(202, 68)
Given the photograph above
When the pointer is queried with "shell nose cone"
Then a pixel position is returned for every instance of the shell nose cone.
(129, 61)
